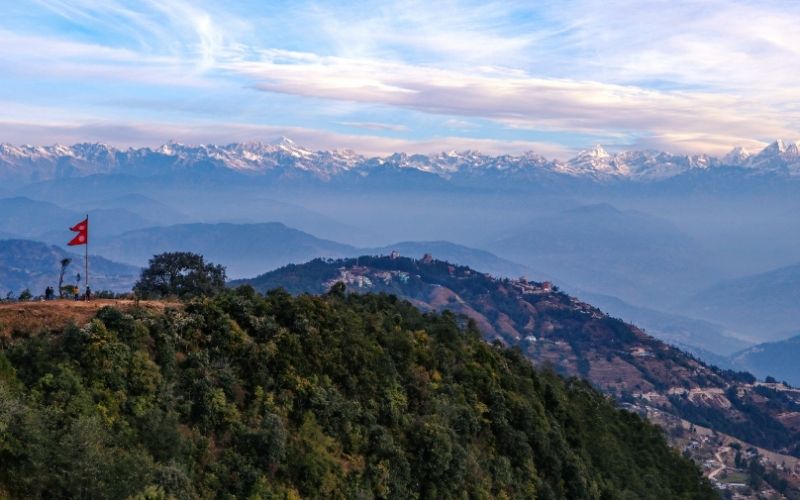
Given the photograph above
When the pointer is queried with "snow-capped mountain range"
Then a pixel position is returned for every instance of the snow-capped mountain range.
(27, 163)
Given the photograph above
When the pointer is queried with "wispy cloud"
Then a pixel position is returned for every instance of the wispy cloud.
(518, 99)
(148, 134)
(376, 126)
(680, 75)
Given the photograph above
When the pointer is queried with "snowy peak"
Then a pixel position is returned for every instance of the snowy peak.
(777, 157)
(777, 147)
(283, 141)
(597, 152)
(283, 158)
(593, 161)
(736, 156)
(636, 165)
(288, 146)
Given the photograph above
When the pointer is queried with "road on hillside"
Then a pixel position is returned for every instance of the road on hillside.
(718, 456)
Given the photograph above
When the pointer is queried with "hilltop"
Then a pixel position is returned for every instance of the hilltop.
(33, 317)
(334, 396)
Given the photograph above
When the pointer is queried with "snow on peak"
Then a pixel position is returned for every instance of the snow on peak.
(776, 157)
(736, 156)
(288, 146)
(283, 141)
(598, 152)
(595, 161)
(285, 157)
(778, 149)
(777, 146)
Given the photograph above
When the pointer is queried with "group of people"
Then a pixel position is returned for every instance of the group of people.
(50, 293)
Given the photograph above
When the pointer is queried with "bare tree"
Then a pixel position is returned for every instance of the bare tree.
(64, 263)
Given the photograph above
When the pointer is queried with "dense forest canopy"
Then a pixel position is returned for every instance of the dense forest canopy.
(339, 396)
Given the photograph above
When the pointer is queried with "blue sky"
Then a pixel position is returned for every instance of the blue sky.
(379, 77)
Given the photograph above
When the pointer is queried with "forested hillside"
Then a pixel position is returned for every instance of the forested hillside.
(343, 396)
(554, 329)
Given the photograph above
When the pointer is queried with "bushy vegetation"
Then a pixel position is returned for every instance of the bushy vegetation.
(179, 274)
(339, 396)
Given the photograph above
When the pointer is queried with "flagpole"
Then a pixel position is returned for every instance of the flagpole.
(86, 258)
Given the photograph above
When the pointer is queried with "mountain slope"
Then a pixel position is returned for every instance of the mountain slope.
(706, 340)
(774, 359)
(765, 306)
(246, 247)
(34, 265)
(314, 397)
(576, 339)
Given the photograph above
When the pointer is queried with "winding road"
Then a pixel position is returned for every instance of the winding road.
(718, 456)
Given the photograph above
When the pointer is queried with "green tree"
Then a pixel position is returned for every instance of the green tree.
(180, 274)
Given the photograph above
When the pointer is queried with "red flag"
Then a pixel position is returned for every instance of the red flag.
(82, 228)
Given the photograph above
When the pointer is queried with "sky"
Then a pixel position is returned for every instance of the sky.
(415, 76)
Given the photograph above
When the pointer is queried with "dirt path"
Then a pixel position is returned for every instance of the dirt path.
(722, 467)
(56, 314)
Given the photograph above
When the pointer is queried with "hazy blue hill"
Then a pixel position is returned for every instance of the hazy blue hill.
(148, 208)
(35, 265)
(42, 220)
(26, 217)
(103, 224)
(776, 359)
(87, 189)
(181, 197)
(704, 339)
(628, 254)
(98, 187)
(765, 305)
(392, 179)
(245, 249)
(252, 206)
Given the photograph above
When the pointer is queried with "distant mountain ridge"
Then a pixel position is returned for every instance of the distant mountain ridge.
(284, 158)
(247, 249)
(761, 303)
(625, 253)
(243, 247)
(774, 359)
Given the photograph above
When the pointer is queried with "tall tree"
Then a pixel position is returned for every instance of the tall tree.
(180, 274)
